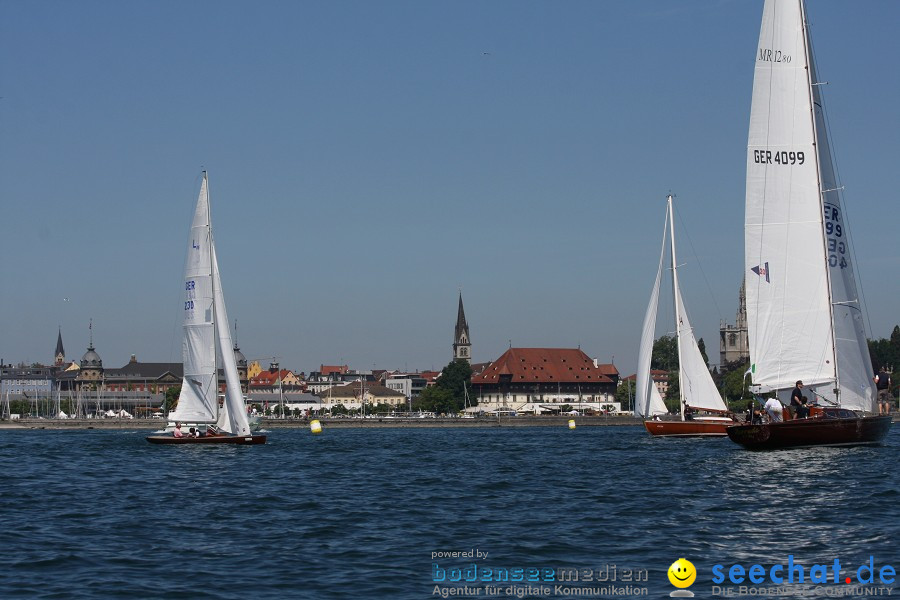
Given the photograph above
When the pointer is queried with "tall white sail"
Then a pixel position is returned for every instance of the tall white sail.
(197, 401)
(695, 382)
(788, 305)
(233, 416)
(648, 401)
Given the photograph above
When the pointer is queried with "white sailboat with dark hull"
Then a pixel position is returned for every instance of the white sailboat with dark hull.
(206, 344)
(805, 319)
(702, 413)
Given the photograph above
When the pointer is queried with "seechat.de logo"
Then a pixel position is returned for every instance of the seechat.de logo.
(682, 574)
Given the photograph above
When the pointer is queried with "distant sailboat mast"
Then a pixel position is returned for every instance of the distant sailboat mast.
(212, 284)
(675, 299)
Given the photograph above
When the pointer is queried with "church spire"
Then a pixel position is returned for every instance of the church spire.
(462, 345)
(60, 356)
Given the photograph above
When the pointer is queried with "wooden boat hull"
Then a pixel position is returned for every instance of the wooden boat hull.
(695, 428)
(244, 440)
(822, 431)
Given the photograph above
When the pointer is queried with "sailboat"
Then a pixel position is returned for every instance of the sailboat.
(805, 319)
(702, 412)
(206, 343)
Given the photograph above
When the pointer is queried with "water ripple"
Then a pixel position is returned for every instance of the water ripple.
(358, 513)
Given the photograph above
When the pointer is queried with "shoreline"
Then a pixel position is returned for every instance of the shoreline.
(332, 423)
(372, 422)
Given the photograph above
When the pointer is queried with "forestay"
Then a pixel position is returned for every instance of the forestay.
(696, 386)
(647, 401)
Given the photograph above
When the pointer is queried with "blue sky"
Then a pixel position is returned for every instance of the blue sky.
(368, 159)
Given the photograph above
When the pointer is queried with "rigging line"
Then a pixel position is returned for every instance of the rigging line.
(699, 264)
(839, 189)
(848, 229)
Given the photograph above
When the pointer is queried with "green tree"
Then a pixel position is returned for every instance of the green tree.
(673, 392)
(886, 353)
(665, 354)
(456, 378)
(895, 341)
(437, 400)
(701, 345)
(448, 394)
(735, 387)
(625, 394)
(172, 398)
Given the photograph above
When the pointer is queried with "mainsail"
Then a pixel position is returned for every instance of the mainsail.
(197, 402)
(803, 311)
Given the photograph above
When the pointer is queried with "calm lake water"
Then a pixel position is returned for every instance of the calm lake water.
(358, 513)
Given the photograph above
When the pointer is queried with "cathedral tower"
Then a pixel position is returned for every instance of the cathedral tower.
(462, 345)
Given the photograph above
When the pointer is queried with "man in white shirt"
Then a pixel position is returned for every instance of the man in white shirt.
(774, 408)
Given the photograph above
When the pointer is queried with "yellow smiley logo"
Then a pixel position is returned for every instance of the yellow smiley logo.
(682, 573)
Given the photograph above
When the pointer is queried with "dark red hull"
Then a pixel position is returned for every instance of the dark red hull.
(244, 440)
(822, 431)
(695, 428)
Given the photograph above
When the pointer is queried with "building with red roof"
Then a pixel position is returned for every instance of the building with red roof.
(660, 380)
(275, 380)
(543, 379)
(326, 370)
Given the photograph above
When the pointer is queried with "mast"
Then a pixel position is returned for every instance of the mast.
(280, 389)
(675, 295)
(810, 76)
(209, 246)
(810, 82)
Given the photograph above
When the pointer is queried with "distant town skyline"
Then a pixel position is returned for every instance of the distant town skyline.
(369, 160)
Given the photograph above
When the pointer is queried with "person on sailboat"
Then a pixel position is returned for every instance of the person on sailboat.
(796, 398)
(773, 407)
(803, 409)
(177, 432)
(883, 385)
